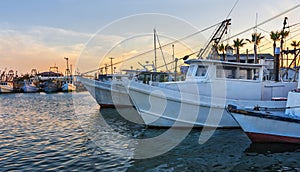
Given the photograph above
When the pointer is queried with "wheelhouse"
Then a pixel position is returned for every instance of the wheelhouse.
(211, 69)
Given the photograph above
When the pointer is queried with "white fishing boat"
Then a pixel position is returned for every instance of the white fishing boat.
(29, 87)
(267, 125)
(6, 82)
(109, 90)
(6, 87)
(201, 99)
(106, 93)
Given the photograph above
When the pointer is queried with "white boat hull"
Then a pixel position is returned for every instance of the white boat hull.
(161, 107)
(29, 89)
(7, 88)
(261, 128)
(107, 94)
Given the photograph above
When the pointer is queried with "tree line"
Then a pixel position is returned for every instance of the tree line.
(256, 40)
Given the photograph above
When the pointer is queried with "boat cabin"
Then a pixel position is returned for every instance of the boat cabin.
(212, 69)
(150, 77)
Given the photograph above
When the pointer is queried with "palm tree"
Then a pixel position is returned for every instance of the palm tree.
(275, 36)
(255, 39)
(237, 43)
(222, 48)
(295, 44)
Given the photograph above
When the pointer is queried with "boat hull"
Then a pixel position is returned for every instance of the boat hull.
(6, 87)
(68, 87)
(29, 89)
(6, 90)
(107, 94)
(160, 107)
(265, 128)
(52, 87)
(264, 138)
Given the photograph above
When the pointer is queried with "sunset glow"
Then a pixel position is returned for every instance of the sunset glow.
(39, 34)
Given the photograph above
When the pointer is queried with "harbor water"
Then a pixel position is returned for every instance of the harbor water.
(68, 132)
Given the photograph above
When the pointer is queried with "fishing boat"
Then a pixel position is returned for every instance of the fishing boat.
(6, 87)
(109, 90)
(68, 86)
(209, 87)
(105, 92)
(211, 84)
(52, 86)
(29, 87)
(6, 82)
(68, 81)
(266, 124)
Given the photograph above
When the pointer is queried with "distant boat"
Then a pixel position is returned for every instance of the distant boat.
(68, 86)
(271, 126)
(6, 87)
(28, 87)
(52, 74)
(52, 86)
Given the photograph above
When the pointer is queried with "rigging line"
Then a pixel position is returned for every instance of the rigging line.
(264, 30)
(236, 2)
(293, 25)
(285, 40)
(266, 21)
(162, 53)
(149, 51)
(292, 37)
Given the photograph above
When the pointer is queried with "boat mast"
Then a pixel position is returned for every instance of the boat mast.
(155, 57)
(255, 41)
(67, 73)
(281, 41)
(216, 38)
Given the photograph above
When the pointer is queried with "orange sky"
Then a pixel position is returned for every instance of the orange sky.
(88, 33)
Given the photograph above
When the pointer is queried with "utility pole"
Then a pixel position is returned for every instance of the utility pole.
(175, 77)
(105, 69)
(67, 70)
(281, 41)
(173, 55)
(111, 66)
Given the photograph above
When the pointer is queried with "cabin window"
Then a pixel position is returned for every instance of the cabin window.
(201, 71)
(226, 72)
(191, 70)
(233, 72)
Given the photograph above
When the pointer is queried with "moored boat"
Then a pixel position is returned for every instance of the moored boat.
(29, 87)
(201, 99)
(109, 90)
(106, 94)
(52, 86)
(6, 87)
(68, 86)
(271, 126)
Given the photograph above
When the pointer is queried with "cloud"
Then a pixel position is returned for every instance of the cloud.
(40, 47)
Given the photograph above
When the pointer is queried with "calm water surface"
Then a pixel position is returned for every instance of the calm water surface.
(52, 132)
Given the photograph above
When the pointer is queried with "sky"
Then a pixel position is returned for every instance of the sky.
(39, 33)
